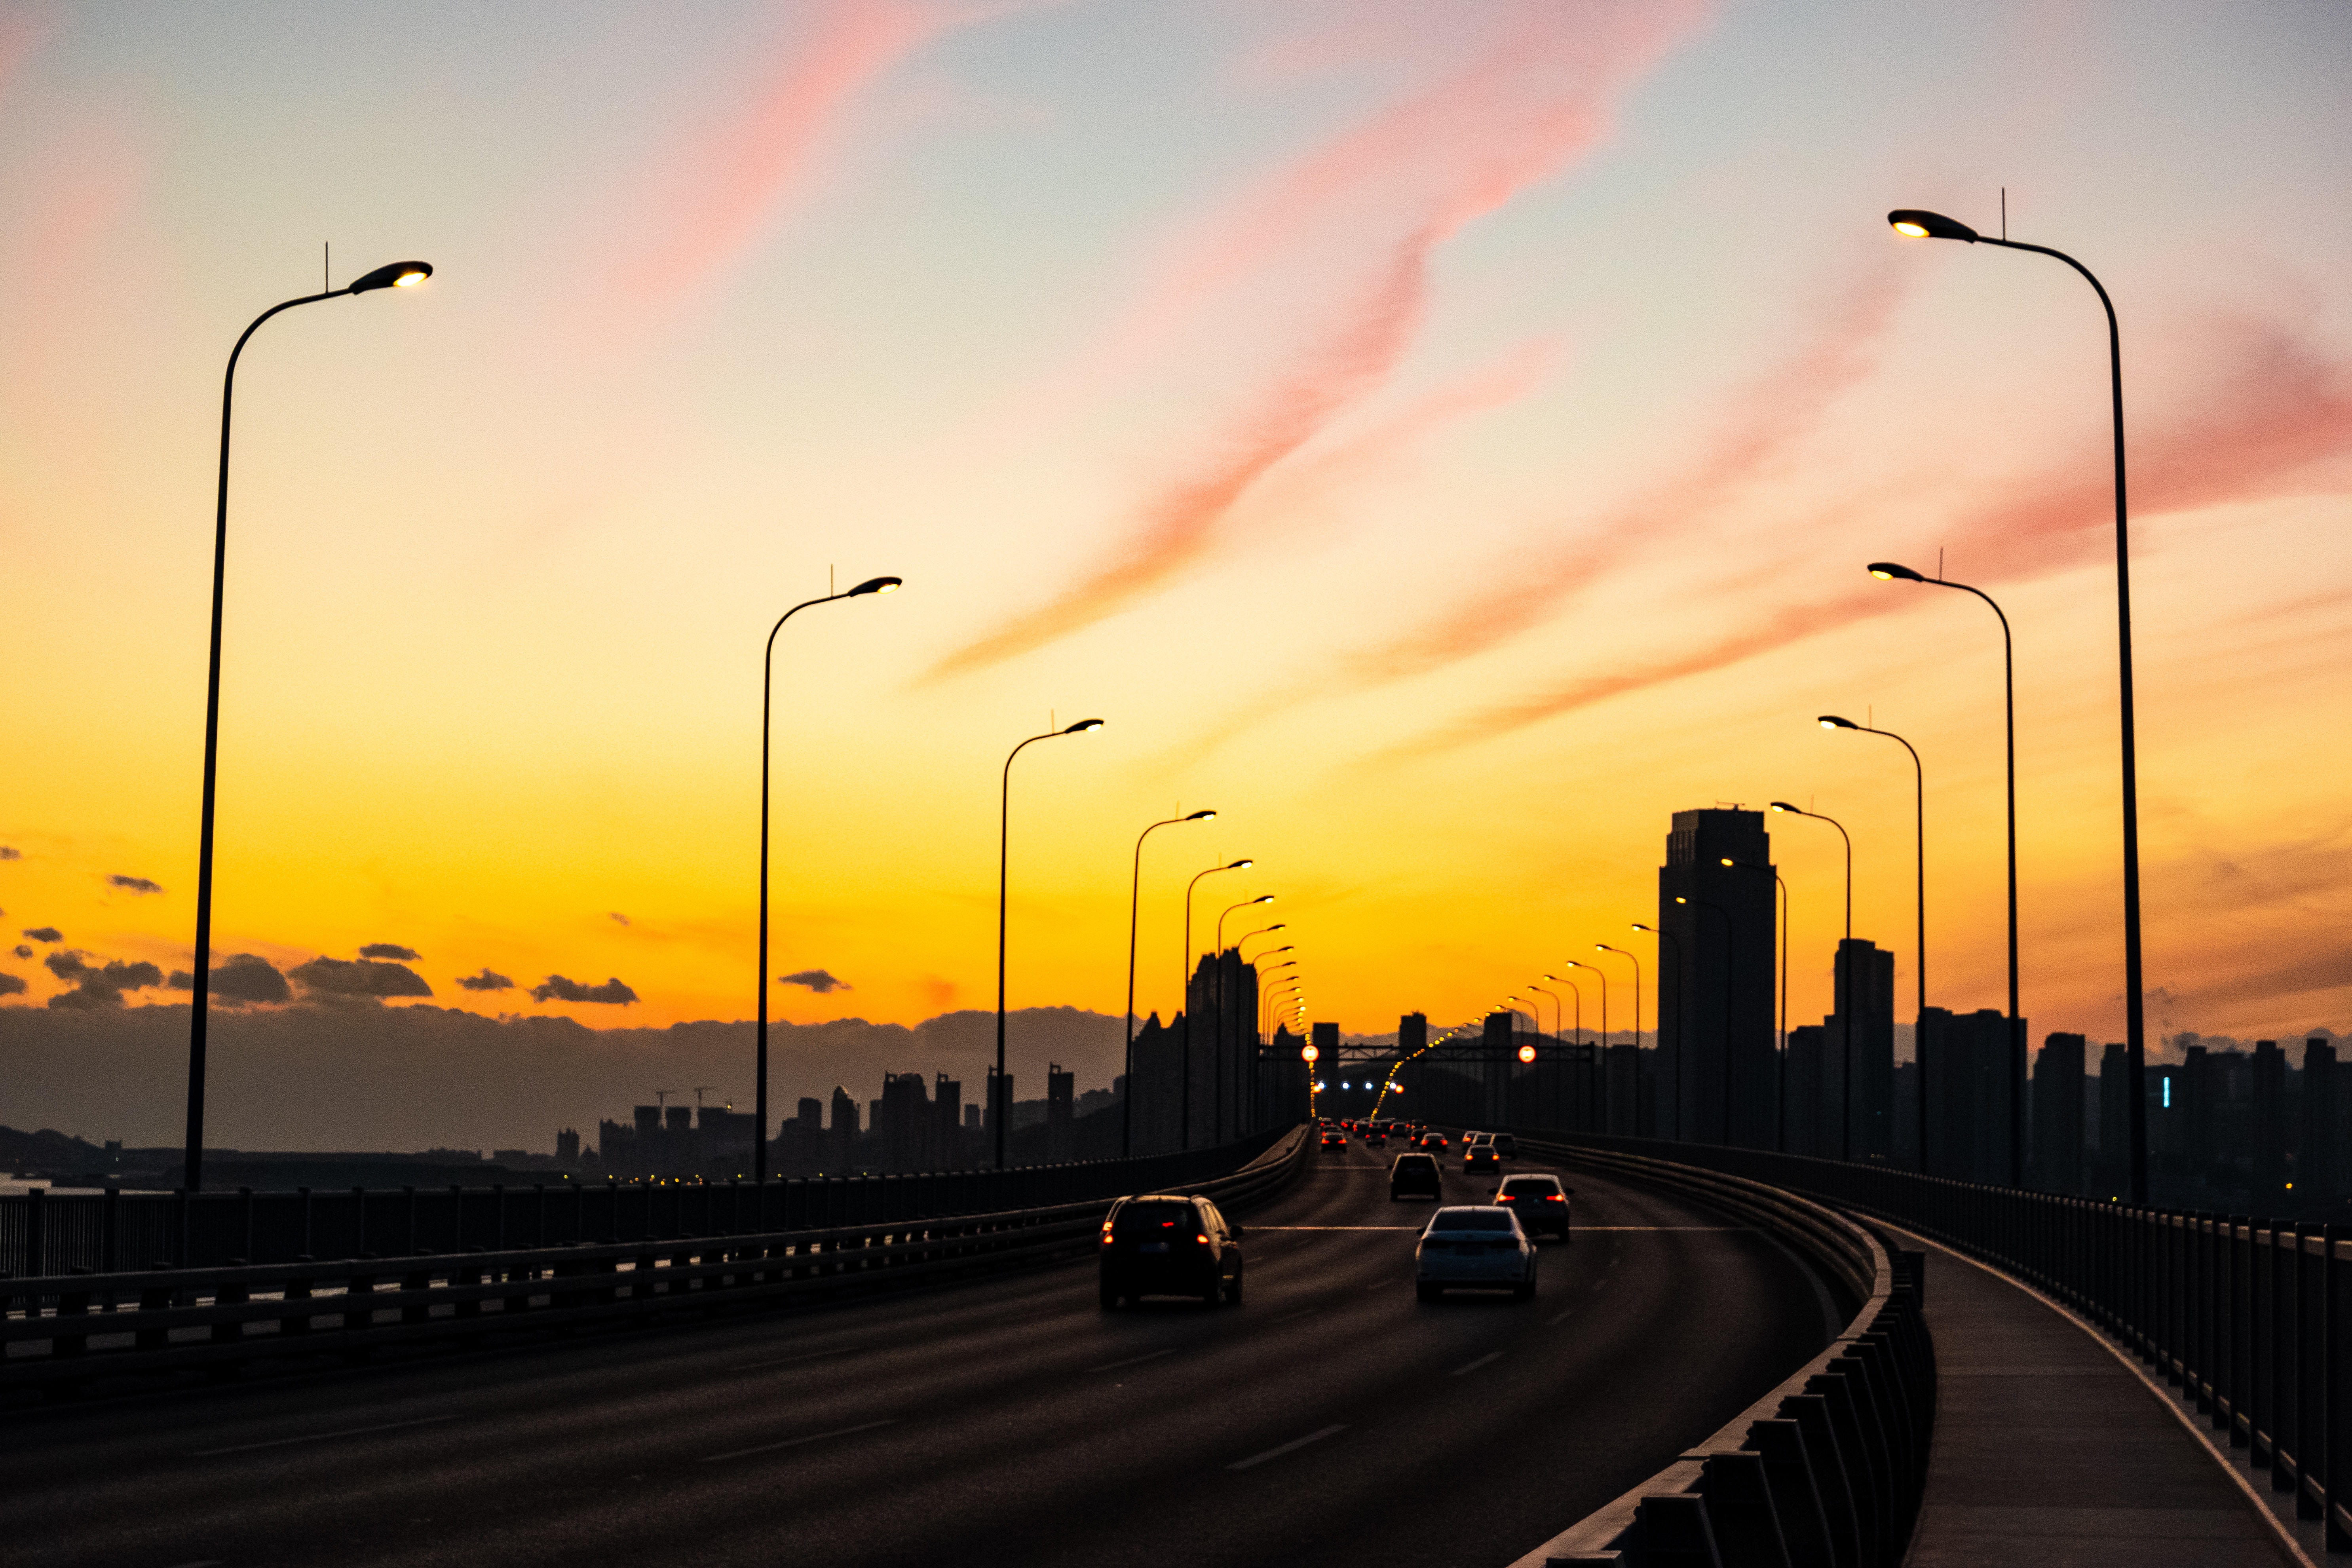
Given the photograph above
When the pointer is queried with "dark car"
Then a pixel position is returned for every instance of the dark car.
(1334, 1139)
(1540, 1201)
(1163, 1243)
(1413, 1172)
(1481, 1157)
(1505, 1145)
(1435, 1140)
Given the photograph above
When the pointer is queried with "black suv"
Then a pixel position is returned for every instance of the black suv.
(1540, 1201)
(1163, 1243)
(1413, 1172)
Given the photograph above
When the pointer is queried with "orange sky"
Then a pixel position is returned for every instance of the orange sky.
(1446, 443)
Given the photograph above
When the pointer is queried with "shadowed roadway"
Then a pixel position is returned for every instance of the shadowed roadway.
(1329, 1419)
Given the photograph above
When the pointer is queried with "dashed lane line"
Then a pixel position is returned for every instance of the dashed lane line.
(318, 1436)
(1132, 1360)
(1468, 1367)
(797, 1442)
(788, 1360)
(1292, 1446)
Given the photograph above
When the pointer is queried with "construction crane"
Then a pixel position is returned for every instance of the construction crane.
(699, 1090)
(661, 1097)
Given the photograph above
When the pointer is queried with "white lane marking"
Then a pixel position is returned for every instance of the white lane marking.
(796, 1442)
(1337, 1227)
(1481, 1361)
(788, 1360)
(1132, 1360)
(1302, 1312)
(318, 1436)
(1559, 1318)
(1291, 1447)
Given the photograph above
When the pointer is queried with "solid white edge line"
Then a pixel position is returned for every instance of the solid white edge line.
(1295, 1444)
(796, 1442)
(1132, 1360)
(2279, 1531)
(317, 1436)
(787, 1360)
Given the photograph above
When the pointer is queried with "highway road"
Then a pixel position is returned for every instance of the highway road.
(1331, 1419)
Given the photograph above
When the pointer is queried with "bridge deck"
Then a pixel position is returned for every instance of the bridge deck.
(2049, 1449)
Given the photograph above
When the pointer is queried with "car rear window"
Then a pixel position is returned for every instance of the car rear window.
(1138, 1219)
(1415, 1163)
(1516, 1185)
(1469, 1219)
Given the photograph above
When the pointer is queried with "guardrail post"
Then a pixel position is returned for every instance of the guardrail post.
(1739, 1511)
(2331, 1381)
(2308, 1356)
(36, 1227)
(1797, 1504)
(1676, 1533)
(111, 1231)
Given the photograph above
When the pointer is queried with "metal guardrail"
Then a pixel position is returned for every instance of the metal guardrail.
(45, 1233)
(2249, 1318)
(64, 1330)
(1828, 1468)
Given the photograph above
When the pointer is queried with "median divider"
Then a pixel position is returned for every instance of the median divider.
(1826, 1469)
(60, 1331)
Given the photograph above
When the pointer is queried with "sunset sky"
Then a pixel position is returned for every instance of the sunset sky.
(1445, 438)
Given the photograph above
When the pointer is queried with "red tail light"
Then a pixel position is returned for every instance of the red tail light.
(1202, 1238)
(1554, 1199)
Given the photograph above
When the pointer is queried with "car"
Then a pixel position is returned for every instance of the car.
(1505, 1145)
(1166, 1244)
(1473, 1248)
(1334, 1139)
(1540, 1201)
(1470, 1138)
(1376, 1134)
(1481, 1157)
(1433, 1141)
(1413, 1172)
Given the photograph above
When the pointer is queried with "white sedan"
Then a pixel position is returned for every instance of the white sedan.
(1479, 1247)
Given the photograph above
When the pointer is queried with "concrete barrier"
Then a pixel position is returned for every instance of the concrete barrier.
(62, 1331)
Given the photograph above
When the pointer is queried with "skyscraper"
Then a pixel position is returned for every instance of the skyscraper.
(1715, 1001)
(2057, 1162)
(1857, 1119)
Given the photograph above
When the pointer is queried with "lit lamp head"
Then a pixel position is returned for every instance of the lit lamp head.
(1083, 727)
(1784, 805)
(1894, 572)
(1639, 926)
(1240, 865)
(1912, 223)
(1203, 816)
(399, 275)
(1680, 900)
(1262, 899)
(1832, 721)
(877, 586)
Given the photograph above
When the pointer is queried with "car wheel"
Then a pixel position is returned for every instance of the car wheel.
(1425, 1291)
(1216, 1289)
(1524, 1290)
(1109, 1300)
(1233, 1292)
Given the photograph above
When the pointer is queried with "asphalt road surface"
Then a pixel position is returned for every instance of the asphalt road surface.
(1329, 1419)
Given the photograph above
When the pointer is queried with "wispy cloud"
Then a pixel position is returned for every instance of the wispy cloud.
(488, 979)
(1518, 113)
(715, 195)
(822, 981)
(556, 988)
(134, 884)
(390, 950)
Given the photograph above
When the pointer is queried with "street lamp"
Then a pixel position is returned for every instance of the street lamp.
(767, 680)
(399, 275)
(1264, 931)
(1637, 962)
(1681, 1026)
(1001, 1105)
(1919, 836)
(1889, 571)
(1845, 972)
(1916, 224)
(1187, 991)
(1134, 899)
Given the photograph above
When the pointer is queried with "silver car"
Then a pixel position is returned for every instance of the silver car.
(1480, 1247)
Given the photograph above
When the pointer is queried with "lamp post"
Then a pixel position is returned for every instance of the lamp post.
(1845, 972)
(1920, 838)
(1675, 946)
(1730, 940)
(399, 275)
(1890, 572)
(1134, 899)
(1217, 975)
(1558, 1037)
(1263, 931)
(1637, 962)
(1186, 993)
(1916, 224)
(1000, 1102)
(767, 681)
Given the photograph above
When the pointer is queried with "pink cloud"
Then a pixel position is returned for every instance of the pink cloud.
(716, 194)
(1517, 114)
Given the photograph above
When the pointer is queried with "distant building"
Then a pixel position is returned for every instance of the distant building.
(2056, 1165)
(2267, 1176)
(1061, 1094)
(2318, 1177)
(1714, 1000)
(567, 1147)
(1857, 1121)
(2114, 1122)
(1969, 1080)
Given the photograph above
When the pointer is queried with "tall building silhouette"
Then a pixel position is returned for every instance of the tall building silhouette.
(2268, 1176)
(2057, 1155)
(1857, 1117)
(1968, 1069)
(1714, 1000)
(2114, 1122)
(2318, 1177)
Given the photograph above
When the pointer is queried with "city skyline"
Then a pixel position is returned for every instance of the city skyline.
(1405, 445)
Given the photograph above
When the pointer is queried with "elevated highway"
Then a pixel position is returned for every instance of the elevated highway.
(1331, 1418)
